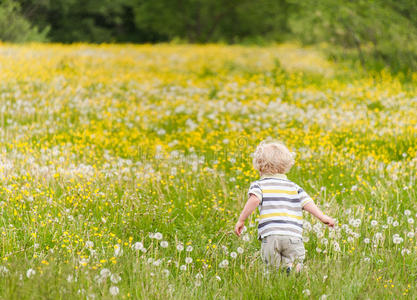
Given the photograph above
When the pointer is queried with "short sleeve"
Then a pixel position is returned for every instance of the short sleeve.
(256, 190)
(304, 197)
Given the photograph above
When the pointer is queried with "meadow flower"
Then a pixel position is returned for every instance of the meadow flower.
(105, 272)
(307, 226)
(3, 270)
(83, 262)
(157, 236)
(233, 254)
(183, 267)
(115, 278)
(218, 278)
(407, 212)
(395, 223)
(189, 248)
(224, 263)
(114, 290)
(239, 250)
(374, 223)
(410, 234)
(397, 239)
(366, 241)
(336, 246)
(164, 244)
(410, 221)
(89, 244)
(307, 292)
(405, 251)
(30, 273)
(188, 260)
(165, 272)
(390, 220)
(246, 237)
(157, 262)
(137, 246)
(180, 247)
(118, 251)
(70, 278)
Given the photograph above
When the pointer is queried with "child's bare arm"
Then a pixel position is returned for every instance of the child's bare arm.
(312, 208)
(250, 206)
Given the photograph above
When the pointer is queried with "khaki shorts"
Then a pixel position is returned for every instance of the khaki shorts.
(282, 249)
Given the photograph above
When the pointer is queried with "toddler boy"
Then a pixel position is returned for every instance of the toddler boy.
(280, 202)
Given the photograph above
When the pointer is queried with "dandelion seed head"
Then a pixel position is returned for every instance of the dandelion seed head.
(188, 260)
(30, 273)
(137, 246)
(114, 290)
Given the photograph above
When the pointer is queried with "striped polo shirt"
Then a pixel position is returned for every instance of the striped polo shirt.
(281, 205)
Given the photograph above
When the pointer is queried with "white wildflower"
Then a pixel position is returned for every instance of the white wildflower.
(118, 251)
(180, 247)
(224, 263)
(89, 244)
(114, 290)
(30, 273)
(3, 270)
(137, 246)
(105, 273)
(115, 278)
(188, 260)
(246, 237)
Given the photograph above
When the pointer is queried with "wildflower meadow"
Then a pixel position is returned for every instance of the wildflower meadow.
(124, 169)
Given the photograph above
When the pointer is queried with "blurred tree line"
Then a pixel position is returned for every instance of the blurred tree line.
(377, 33)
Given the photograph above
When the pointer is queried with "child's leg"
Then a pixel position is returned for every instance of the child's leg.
(293, 252)
(269, 251)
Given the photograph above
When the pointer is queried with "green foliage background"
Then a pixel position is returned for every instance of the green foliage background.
(375, 34)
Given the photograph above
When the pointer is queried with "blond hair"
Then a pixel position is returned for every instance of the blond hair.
(272, 157)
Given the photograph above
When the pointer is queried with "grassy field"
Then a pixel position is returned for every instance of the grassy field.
(124, 169)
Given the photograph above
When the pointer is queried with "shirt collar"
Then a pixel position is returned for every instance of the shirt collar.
(279, 176)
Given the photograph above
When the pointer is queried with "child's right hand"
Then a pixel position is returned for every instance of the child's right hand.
(328, 221)
(239, 227)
